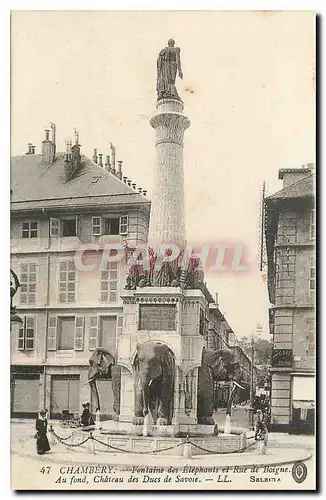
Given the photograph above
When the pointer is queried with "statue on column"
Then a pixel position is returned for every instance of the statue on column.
(168, 64)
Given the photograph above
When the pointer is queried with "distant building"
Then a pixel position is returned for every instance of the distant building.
(220, 335)
(290, 241)
(59, 202)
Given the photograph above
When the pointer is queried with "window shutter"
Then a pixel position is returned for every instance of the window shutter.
(123, 224)
(77, 225)
(30, 333)
(21, 336)
(54, 227)
(119, 327)
(93, 333)
(52, 333)
(79, 333)
(96, 226)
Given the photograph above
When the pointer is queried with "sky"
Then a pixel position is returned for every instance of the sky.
(248, 89)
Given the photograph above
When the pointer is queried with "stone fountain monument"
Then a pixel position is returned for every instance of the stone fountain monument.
(165, 373)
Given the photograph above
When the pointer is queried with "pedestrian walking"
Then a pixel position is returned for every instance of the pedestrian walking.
(42, 442)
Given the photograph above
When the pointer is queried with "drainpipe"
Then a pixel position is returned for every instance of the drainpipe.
(47, 308)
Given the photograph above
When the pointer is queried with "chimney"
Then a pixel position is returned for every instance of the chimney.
(112, 157)
(100, 161)
(108, 164)
(119, 174)
(72, 158)
(140, 190)
(144, 192)
(125, 180)
(95, 156)
(33, 150)
(48, 149)
(129, 182)
(30, 150)
(216, 299)
(134, 185)
(53, 138)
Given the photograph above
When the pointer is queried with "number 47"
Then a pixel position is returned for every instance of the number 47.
(45, 470)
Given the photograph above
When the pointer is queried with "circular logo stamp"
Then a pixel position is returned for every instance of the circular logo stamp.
(299, 472)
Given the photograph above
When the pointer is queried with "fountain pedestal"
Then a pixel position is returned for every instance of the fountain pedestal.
(183, 336)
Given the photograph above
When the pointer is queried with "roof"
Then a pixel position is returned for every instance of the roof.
(32, 183)
(305, 170)
(304, 188)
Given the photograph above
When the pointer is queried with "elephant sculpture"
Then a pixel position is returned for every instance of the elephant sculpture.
(101, 363)
(219, 365)
(154, 368)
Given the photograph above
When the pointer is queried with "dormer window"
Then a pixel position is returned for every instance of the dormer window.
(69, 227)
(66, 227)
(29, 229)
(109, 225)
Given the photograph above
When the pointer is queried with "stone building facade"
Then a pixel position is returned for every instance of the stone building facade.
(62, 202)
(290, 242)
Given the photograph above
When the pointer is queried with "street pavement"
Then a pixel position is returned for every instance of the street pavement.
(27, 466)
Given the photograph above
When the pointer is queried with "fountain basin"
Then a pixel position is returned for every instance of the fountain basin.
(121, 442)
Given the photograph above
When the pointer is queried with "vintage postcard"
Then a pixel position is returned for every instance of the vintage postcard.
(163, 273)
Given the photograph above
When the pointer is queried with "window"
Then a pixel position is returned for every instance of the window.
(28, 283)
(109, 282)
(66, 333)
(26, 334)
(96, 226)
(67, 282)
(69, 227)
(97, 334)
(157, 317)
(124, 224)
(64, 227)
(313, 224)
(109, 225)
(29, 229)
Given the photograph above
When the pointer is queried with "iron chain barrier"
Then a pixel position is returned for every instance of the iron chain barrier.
(151, 452)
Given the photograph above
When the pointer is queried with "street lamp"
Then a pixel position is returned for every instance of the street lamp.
(14, 318)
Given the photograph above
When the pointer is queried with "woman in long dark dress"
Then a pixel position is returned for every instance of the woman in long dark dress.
(87, 418)
(42, 442)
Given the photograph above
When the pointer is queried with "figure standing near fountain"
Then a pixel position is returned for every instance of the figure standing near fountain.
(168, 64)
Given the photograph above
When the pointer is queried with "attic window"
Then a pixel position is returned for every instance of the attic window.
(69, 227)
(109, 225)
(29, 229)
(95, 179)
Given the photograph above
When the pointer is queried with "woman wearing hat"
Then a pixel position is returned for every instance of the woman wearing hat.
(42, 443)
(86, 418)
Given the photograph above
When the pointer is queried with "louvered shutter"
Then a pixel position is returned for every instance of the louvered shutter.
(79, 333)
(54, 227)
(52, 333)
(93, 333)
(119, 328)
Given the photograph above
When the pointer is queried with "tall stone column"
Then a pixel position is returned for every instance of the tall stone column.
(167, 222)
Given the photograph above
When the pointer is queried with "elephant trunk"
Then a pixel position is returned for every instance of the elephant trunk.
(95, 394)
(145, 393)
